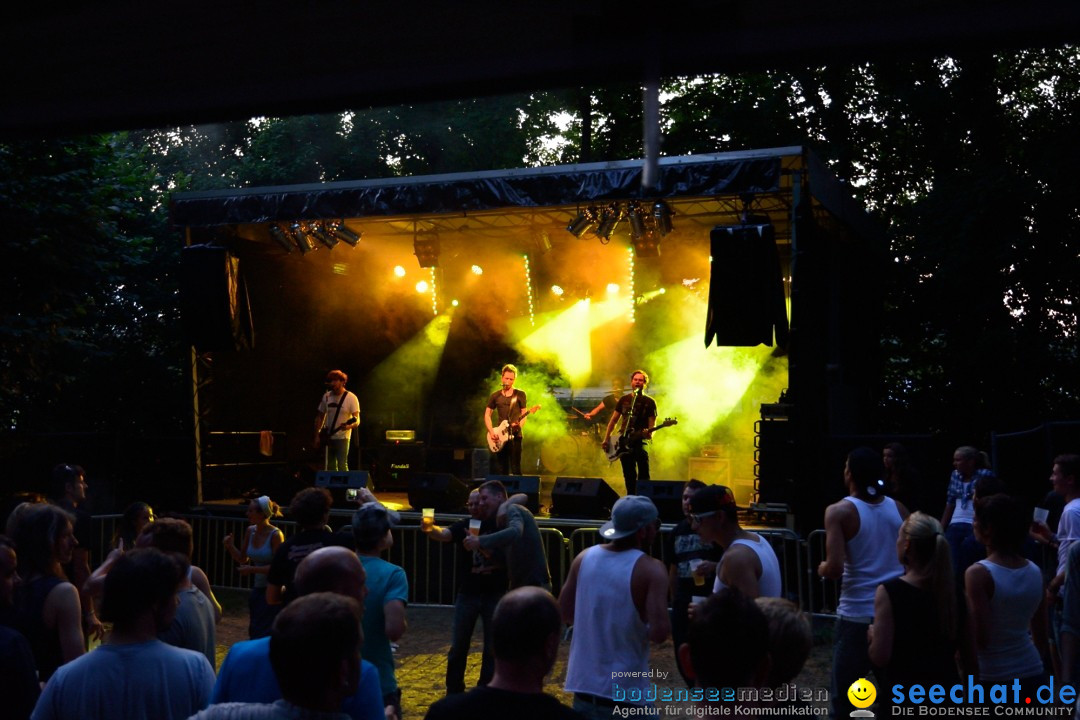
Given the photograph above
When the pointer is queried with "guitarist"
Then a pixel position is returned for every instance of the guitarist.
(509, 402)
(638, 414)
(338, 414)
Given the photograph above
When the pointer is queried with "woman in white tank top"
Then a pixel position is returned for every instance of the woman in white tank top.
(261, 540)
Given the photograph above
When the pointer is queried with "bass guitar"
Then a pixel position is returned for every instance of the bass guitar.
(619, 445)
(326, 433)
(502, 432)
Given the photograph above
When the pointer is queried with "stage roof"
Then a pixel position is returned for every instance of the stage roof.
(521, 205)
(127, 64)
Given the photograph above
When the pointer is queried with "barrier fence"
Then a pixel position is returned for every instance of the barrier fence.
(430, 565)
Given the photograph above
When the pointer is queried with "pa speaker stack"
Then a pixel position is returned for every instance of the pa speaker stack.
(666, 496)
(442, 491)
(527, 484)
(582, 497)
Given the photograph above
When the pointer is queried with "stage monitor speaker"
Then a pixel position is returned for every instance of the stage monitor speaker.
(582, 497)
(666, 496)
(527, 484)
(340, 482)
(442, 491)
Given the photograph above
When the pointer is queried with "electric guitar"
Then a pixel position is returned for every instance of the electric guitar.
(619, 445)
(326, 433)
(502, 432)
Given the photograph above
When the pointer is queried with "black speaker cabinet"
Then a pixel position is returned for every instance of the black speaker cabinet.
(442, 491)
(396, 462)
(527, 484)
(582, 497)
(339, 483)
(214, 306)
(666, 496)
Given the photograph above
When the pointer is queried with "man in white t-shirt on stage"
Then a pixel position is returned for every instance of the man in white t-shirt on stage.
(337, 416)
(616, 598)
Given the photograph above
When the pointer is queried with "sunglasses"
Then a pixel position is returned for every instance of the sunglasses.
(696, 518)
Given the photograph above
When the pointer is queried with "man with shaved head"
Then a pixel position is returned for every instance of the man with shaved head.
(246, 674)
(526, 631)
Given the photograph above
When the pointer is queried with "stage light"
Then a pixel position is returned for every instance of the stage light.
(662, 214)
(585, 220)
(399, 271)
(453, 303)
(280, 237)
(426, 248)
(422, 287)
(303, 242)
(613, 288)
(610, 217)
(557, 290)
(647, 246)
(316, 231)
(636, 216)
(477, 270)
(343, 233)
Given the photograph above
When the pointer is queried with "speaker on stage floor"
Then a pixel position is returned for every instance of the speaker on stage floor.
(340, 482)
(442, 491)
(528, 484)
(582, 497)
(666, 496)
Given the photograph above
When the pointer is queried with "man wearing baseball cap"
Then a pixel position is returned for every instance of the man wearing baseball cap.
(749, 563)
(616, 598)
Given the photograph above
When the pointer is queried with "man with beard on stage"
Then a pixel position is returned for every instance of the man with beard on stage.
(638, 413)
(509, 402)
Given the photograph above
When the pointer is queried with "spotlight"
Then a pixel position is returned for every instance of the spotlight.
(647, 245)
(609, 218)
(280, 237)
(477, 270)
(557, 290)
(613, 288)
(300, 237)
(662, 214)
(585, 220)
(422, 287)
(316, 231)
(343, 233)
(426, 249)
(638, 226)
(399, 271)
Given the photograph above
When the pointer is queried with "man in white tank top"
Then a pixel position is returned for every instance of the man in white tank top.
(616, 598)
(860, 546)
(749, 563)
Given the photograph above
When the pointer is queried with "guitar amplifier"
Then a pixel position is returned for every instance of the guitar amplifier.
(395, 463)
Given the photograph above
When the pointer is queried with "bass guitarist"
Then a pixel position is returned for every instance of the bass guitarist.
(338, 414)
(509, 402)
(638, 414)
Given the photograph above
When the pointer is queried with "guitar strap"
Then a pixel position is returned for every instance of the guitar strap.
(333, 426)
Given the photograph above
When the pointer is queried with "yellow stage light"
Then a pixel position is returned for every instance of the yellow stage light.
(613, 288)
(477, 270)
(422, 286)
(557, 290)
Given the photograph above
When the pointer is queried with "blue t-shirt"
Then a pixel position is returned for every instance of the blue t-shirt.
(386, 582)
(247, 676)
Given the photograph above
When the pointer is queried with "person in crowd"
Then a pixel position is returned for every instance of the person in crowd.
(21, 688)
(310, 508)
(615, 596)
(481, 582)
(527, 629)
(727, 644)
(388, 593)
(133, 675)
(969, 464)
(247, 674)
(519, 537)
(315, 655)
(971, 550)
(198, 611)
(749, 562)
(1070, 619)
(913, 639)
(903, 481)
(134, 520)
(1065, 480)
(1005, 599)
(691, 571)
(257, 547)
(48, 606)
(860, 540)
(790, 639)
(69, 493)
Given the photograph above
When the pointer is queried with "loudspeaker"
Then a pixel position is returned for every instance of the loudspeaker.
(582, 497)
(666, 496)
(395, 464)
(528, 484)
(340, 482)
(776, 464)
(441, 491)
(214, 305)
(746, 289)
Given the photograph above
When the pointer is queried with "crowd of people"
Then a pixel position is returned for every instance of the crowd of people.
(922, 601)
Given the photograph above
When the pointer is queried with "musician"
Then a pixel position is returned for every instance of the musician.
(332, 428)
(510, 404)
(637, 411)
(610, 400)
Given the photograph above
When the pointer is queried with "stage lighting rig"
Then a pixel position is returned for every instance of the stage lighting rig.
(341, 232)
(585, 220)
(610, 217)
(426, 247)
(662, 215)
(317, 231)
(281, 238)
(300, 237)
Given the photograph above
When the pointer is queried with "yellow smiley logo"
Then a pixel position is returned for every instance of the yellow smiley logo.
(862, 693)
